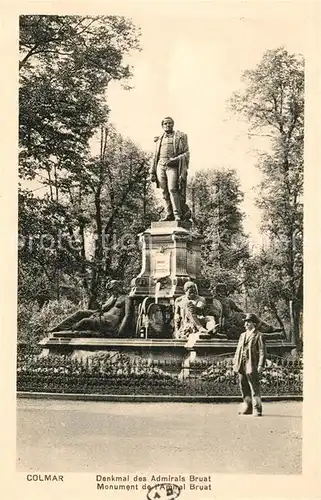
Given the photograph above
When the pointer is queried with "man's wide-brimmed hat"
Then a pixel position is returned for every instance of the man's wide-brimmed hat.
(252, 317)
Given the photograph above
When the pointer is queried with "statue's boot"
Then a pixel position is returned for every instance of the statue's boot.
(167, 217)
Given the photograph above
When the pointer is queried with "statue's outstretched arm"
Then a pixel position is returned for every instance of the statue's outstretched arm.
(234, 307)
(108, 304)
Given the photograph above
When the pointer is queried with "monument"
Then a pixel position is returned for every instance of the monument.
(170, 310)
(171, 252)
(171, 256)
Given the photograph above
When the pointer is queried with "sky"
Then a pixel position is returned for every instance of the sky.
(192, 60)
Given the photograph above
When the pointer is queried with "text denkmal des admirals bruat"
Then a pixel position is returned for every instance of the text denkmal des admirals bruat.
(117, 482)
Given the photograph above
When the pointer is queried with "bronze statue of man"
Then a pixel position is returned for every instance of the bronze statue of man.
(169, 170)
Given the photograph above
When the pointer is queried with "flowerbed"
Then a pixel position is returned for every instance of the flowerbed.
(107, 374)
(279, 377)
(119, 374)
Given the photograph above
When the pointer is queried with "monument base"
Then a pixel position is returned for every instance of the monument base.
(155, 350)
(171, 256)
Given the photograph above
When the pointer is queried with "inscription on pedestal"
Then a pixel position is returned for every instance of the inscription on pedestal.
(162, 264)
(171, 255)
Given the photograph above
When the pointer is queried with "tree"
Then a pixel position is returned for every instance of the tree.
(265, 286)
(120, 204)
(215, 197)
(65, 66)
(273, 103)
(92, 205)
(48, 267)
(89, 234)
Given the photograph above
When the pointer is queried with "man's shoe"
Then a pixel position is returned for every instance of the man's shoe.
(245, 410)
(256, 413)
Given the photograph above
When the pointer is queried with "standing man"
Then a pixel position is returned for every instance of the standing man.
(248, 362)
(169, 170)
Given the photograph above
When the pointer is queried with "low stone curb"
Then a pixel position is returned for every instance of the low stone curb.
(137, 398)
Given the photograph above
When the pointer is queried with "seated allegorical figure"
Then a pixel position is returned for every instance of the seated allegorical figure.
(111, 320)
(233, 317)
(191, 318)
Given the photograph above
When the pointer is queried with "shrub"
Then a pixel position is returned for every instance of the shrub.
(280, 376)
(34, 323)
(117, 373)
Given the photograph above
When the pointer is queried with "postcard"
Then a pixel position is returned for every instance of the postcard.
(160, 250)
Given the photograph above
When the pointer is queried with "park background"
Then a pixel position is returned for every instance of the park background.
(87, 122)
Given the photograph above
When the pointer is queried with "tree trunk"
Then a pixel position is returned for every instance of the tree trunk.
(276, 314)
(93, 302)
(56, 183)
(98, 255)
(296, 308)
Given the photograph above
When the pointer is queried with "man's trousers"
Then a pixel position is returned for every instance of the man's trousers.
(251, 391)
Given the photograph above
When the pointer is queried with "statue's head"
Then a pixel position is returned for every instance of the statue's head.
(190, 289)
(221, 289)
(168, 124)
(114, 286)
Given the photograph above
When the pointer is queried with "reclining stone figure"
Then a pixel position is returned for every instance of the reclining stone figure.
(112, 320)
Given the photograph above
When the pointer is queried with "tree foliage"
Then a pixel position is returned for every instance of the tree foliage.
(81, 231)
(215, 197)
(65, 66)
(273, 103)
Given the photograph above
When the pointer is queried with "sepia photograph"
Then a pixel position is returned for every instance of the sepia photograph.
(161, 247)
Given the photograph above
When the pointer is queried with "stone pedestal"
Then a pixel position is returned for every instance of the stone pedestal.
(171, 256)
(159, 350)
